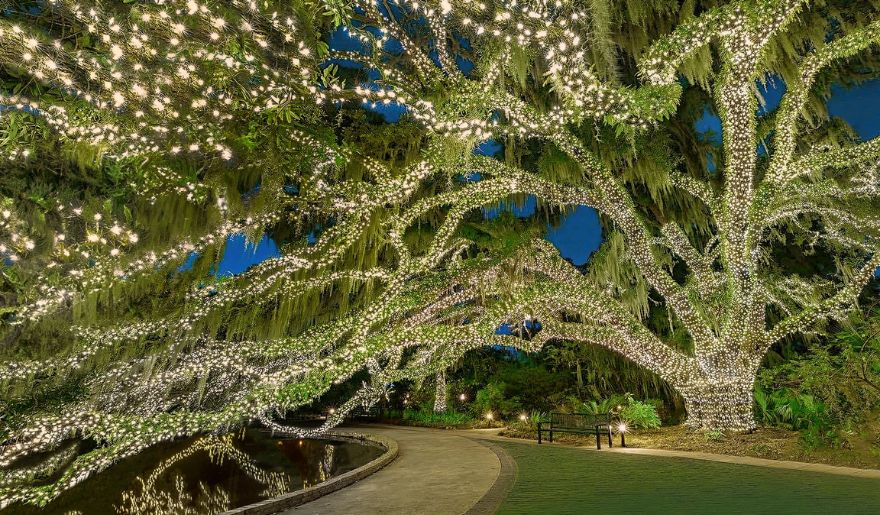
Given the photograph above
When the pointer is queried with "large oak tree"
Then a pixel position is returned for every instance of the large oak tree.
(138, 136)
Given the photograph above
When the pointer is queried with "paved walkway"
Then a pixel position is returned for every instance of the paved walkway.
(436, 472)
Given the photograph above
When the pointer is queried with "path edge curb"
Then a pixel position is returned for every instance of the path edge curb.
(492, 499)
(299, 497)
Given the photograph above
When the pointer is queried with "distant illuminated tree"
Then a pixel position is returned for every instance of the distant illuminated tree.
(143, 134)
(440, 396)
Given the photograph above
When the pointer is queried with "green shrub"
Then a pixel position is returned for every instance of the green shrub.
(828, 392)
(611, 404)
(636, 413)
(538, 416)
(789, 408)
(493, 398)
(714, 435)
(488, 398)
(640, 414)
(430, 418)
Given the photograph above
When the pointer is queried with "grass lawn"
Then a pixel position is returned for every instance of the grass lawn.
(554, 479)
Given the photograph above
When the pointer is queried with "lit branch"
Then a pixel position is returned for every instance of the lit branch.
(785, 138)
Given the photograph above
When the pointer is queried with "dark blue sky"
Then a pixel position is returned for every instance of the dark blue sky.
(239, 255)
(859, 106)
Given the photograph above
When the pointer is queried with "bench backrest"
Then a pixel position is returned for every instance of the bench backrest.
(579, 420)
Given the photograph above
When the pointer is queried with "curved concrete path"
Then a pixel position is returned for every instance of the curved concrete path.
(437, 472)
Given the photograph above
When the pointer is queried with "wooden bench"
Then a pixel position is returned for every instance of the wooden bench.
(580, 423)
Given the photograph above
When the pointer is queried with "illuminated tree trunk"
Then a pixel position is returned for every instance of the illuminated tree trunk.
(723, 405)
(721, 396)
(440, 393)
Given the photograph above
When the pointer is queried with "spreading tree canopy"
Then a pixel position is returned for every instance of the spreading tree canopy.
(137, 137)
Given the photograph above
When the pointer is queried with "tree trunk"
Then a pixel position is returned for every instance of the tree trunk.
(723, 404)
(440, 393)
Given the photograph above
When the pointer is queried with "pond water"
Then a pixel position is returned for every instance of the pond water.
(209, 474)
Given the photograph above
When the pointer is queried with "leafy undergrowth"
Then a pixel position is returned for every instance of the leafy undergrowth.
(862, 451)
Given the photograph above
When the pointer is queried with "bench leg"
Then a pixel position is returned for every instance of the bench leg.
(551, 436)
(598, 440)
(622, 439)
(610, 445)
(539, 433)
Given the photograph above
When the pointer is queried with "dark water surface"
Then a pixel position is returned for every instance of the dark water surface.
(208, 474)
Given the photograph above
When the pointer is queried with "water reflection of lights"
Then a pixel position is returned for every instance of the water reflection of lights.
(149, 498)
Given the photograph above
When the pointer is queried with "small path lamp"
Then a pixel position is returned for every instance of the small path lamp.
(622, 428)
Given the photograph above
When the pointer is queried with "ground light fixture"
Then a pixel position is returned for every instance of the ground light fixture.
(622, 428)
(490, 416)
(523, 417)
